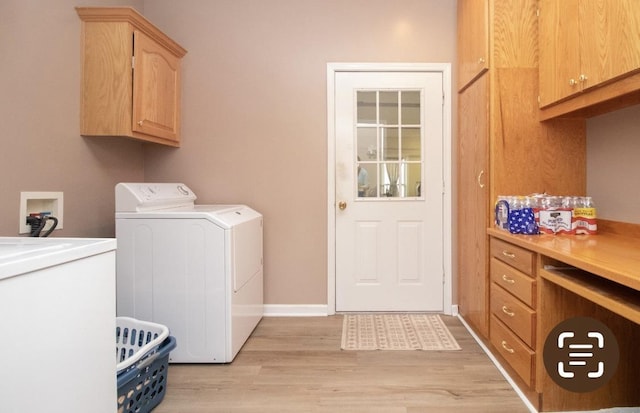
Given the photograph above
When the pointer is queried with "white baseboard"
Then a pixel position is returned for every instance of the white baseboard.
(296, 310)
(499, 367)
(454, 310)
(310, 310)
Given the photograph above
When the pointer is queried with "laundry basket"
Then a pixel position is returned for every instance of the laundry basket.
(136, 340)
(143, 362)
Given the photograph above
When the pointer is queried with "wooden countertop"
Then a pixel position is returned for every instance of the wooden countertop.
(610, 255)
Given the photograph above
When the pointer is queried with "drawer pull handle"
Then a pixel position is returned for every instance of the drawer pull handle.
(509, 254)
(507, 279)
(507, 348)
(507, 311)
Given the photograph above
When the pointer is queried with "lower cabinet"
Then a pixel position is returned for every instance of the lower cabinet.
(534, 285)
(512, 304)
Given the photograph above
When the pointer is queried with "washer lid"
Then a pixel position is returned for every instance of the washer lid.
(136, 197)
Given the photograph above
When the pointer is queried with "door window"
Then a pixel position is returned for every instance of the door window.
(389, 144)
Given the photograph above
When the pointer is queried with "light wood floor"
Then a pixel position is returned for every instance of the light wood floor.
(296, 365)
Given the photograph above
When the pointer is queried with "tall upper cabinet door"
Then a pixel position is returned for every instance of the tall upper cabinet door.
(473, 40)
(559, 50)
(609, 38)
(156, 89)
(473, 211)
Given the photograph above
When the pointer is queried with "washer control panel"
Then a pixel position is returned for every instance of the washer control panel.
(132, 197)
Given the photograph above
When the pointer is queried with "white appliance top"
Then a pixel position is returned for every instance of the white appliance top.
(174, 201)
(20, 255)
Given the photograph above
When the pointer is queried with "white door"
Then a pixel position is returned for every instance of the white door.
(389, 191)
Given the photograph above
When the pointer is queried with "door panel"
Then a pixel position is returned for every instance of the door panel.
(559, 53)
(156, 91)
(473, 51)
(473, 189)
(389, 180)
(410, 251)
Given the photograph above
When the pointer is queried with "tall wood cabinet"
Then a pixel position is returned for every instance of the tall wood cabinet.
(502, 147)
(589, 54)
(130, 77)
(473, 193)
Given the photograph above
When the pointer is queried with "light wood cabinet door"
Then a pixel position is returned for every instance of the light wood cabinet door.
(105, 107)
(609, 40)
(473, 40)
(156, 90)
(585, 44)
(559, 50)
(473, 187)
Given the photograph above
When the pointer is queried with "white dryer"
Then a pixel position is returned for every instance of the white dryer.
(195, 268)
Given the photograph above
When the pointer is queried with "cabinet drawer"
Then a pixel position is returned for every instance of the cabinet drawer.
(514, 314)
(520, 357)
(515, 282)
(513, 255)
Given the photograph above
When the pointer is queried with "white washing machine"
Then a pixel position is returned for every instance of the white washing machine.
(194, 268)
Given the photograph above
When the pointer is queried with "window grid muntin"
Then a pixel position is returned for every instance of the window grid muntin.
(375, 158)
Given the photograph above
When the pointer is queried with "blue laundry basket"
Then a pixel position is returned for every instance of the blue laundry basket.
(143, 364)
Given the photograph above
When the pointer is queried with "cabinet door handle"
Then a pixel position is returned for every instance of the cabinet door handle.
(480, 184)
(507, 348)
(507, 279)
(481, 61)
(140, 122)
(508, 311)
(509, 254)
(572, 82)
(582, 78)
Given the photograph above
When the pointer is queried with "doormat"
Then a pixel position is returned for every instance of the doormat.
(396, 332)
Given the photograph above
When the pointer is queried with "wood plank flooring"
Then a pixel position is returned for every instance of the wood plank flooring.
(296, 365)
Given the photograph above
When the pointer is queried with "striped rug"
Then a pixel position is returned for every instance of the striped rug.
(396, 332)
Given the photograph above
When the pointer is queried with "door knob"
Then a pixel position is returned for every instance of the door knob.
(342, 205)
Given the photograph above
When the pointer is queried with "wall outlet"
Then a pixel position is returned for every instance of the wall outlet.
(37, 202)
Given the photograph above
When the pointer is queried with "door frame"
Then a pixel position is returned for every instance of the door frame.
(447, 222)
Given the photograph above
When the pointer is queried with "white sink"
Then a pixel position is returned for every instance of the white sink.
(20, 255)
(14, 248)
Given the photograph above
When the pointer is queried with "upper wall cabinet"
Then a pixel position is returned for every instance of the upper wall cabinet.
(589, 54)
(473, 40)
(130, 77)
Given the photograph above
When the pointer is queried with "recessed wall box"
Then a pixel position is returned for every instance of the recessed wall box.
(39, 202)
